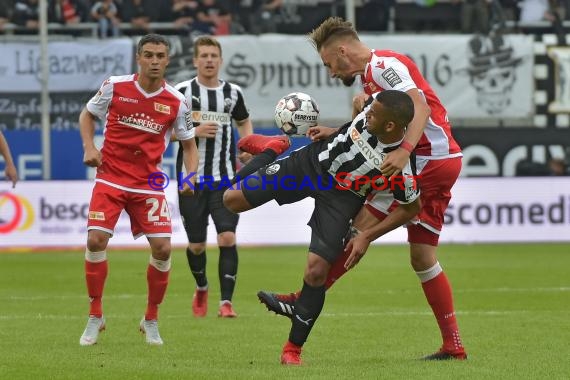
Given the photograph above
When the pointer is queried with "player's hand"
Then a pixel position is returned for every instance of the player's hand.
(244, 157)
(394, 162)
(357, 246)
(207, 130)
(358, 102)
(92, 157)
(11, 174)
(319, 132)
(187, 191)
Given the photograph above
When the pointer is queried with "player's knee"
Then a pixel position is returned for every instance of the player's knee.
(316, 271)
(422, 258)
(161, 250)
(230, 200)
(226, 239)
(235, 201)
(97, 240)
(197, 248)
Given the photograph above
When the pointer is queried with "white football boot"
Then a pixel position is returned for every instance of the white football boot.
(91, 333)
(150, 329)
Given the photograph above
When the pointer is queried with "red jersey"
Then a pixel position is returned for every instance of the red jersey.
(138, 126)
(388, 70)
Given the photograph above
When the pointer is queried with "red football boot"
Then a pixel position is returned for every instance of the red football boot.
(226, 310)
(291, 354)
(444, 354)
(200, 303)
(255, 144)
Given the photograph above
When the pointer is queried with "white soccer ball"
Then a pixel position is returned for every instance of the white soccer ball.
(295, 113)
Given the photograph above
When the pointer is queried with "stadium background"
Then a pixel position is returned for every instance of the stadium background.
(512, 296)
(503, 125)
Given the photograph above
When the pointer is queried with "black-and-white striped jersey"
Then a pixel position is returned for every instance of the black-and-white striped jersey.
(353, 153)
(217, 156)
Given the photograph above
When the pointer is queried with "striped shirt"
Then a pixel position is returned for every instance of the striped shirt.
(355, 153)
(217, 156)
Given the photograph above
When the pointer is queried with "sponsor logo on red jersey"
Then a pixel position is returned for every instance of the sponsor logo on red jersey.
(142, 122)
(391, 77)
(128, 100)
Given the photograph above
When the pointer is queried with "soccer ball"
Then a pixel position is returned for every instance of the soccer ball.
(295, 113)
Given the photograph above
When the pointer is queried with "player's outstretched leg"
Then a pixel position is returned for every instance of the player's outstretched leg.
(284, 304)
(255, 144)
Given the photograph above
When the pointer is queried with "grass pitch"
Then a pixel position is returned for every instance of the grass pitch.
(512, 302)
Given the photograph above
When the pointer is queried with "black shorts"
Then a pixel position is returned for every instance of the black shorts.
(196, 209)
(297, 177)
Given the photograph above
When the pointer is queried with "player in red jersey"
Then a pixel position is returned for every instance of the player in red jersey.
(140, 112)
(438, 163)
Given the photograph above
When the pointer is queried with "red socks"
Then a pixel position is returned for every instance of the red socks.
(337, 269)
(157, 283)
(438, 293)
(96, 270)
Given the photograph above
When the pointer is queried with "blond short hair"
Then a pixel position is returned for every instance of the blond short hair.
(331, 29)
(206, 41)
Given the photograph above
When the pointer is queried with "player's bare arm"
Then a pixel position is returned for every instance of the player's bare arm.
(245, 128)
(190, 157)
(369, 229)
(10, 169)
(397, 159)
(320, 132)
(92, 155)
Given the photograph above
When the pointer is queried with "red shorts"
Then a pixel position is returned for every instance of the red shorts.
(436, 178)
(149, 213)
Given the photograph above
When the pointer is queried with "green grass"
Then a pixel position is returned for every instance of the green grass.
(512, 301)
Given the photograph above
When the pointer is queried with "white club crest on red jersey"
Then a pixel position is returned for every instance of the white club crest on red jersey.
(162, 108)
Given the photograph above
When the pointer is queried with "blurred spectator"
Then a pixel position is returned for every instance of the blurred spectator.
(63, 12)
(510, 8)
(373, 15)
(106, 14)
(475, 16)
(557, 167)
(184, 13)
(83, 9)
(6, 10)
(554, 167)
(26, 13)
(138, 14)
(535, 10)
(531, 169)
(264, 16)
(212, 18)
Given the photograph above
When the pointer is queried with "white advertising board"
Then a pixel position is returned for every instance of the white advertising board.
(482, 210)
(475, 77)
(73, 65)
